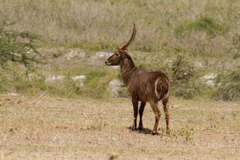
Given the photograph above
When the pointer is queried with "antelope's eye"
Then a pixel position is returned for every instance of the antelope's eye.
(116, 54)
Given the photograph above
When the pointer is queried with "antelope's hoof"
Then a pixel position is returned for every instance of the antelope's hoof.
(153, 132)
(140, 127)
(134, 128)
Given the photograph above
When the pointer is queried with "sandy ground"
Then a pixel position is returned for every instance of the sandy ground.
(56, 128)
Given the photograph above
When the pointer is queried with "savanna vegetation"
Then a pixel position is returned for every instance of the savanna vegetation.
(173, 37)
(45, 45)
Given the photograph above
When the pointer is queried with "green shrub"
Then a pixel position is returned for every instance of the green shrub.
(235, 45)
(186, 132)
(182, 70)
(113, 155)
(204, 23)
(153, 62)
(96, 84)
(57, 54)
(187, 90)
(3, 82)
(229, 85)
(183, 80)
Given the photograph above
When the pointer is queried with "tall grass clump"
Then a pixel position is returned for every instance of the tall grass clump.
(96, 84)
(204, 23)
(13, 82)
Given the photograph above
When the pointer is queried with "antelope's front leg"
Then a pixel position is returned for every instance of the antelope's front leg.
(140, 127)
(135, 110)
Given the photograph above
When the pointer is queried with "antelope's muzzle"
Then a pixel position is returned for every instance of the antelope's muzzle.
(106, 63)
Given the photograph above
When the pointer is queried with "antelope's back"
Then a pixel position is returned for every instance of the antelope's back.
(143, 84)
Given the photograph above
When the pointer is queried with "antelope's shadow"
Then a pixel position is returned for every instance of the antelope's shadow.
(143, 131)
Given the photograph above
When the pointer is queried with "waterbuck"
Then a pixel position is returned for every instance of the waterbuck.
(142, 84)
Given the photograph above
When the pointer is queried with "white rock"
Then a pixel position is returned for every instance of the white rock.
(73, 54)
(30, 76)
(169, 61)
(198, 64)
(30, 51)
(80, 80)
(81, 54)
(209, 79)
(209, 76)
(114, 86)
(78, 77)
(12, 94)
(54, 78)
(103, 54)
(209, 83)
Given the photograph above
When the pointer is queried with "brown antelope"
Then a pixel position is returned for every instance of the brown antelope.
(143, 85)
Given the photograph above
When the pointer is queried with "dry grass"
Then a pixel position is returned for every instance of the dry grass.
(53, 128)
(103, 24)
(56, 128)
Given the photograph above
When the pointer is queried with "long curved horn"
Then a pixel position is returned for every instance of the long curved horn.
(131, 39)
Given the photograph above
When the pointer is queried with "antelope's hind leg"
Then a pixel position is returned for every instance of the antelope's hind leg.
(157, 113)
(165, 103)
(140, 127)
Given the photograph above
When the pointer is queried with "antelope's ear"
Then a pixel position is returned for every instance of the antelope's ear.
(118, 48)
(126, 53)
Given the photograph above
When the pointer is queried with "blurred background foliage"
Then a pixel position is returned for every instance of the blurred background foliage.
(172, 37)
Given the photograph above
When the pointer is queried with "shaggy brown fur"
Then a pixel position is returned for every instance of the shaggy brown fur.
(143, 85)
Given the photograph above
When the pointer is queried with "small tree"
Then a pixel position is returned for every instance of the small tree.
(18, 47)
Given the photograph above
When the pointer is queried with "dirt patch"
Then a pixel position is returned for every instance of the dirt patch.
(52, 128)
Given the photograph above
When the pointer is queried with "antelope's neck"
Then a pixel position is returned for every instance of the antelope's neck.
(127, 69)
